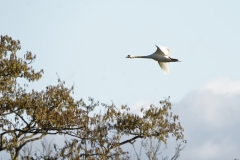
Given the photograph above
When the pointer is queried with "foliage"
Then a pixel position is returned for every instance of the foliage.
(26, 117)
(30, 116)
(103, 138)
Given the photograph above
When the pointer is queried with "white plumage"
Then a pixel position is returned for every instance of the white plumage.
(161, 55)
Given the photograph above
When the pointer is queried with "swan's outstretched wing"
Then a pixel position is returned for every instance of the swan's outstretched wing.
(164, 67)
(163, 51)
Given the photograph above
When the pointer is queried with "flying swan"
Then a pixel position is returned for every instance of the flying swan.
(161, 55)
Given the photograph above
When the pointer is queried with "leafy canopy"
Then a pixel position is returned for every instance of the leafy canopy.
(29, 116)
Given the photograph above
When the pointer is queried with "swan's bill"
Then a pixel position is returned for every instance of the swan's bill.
(164, 67)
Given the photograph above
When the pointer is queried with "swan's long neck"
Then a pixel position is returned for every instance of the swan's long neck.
(140, 56)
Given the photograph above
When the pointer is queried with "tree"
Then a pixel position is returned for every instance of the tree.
(153, 149)
(45, 152)
(30, 116)
(26, 117)
(102, 140)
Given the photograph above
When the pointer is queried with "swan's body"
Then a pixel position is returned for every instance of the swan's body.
(161, 55)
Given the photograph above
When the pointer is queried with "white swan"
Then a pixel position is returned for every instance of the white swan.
(161, 55)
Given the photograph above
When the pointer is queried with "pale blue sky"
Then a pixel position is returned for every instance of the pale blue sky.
(86, 43)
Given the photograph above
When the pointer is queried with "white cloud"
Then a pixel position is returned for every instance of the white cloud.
(224, 85)
(210, 117)
(213, 150)
(136, 107)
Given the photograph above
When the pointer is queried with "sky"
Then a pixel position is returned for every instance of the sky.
(86, 42)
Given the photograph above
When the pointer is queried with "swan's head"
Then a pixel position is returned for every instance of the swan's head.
(129, 56)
